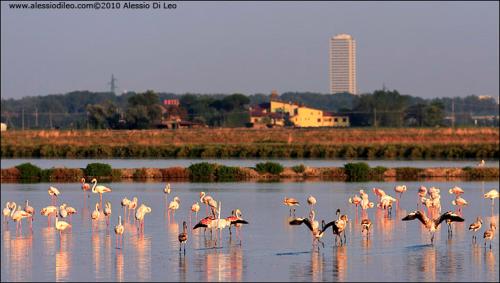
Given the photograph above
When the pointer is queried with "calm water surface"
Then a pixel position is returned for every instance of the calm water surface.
(163, 163)
(271, 249)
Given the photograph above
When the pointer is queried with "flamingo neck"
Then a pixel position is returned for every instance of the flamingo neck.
(13, 210)
(93, 187)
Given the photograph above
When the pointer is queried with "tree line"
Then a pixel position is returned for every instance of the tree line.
(105, 110)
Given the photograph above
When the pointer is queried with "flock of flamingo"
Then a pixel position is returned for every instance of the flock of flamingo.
(430, 217)
(212, 221)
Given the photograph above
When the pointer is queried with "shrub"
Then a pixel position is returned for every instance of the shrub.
(29, 171)
(228, 173)
(269, 167)
(357, 172)
(45, 175)
(203, 171)
(98, 170)
(299, 168)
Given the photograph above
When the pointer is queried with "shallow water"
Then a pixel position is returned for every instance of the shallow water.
(270, 250)
(163, 163)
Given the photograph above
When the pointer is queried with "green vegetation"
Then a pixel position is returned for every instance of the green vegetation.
(203, 171)
(269, 167)
(98, 170)
(29, 172)
(212, 172)
(299, 168)
(358, 151)
(357, 172)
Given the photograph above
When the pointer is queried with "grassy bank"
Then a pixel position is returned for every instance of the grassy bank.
(211, 172)
(252, 143)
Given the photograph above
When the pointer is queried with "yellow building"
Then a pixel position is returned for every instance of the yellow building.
(276, 111)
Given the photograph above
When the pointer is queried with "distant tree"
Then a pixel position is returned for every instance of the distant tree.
(103, 116)
(144, 111)
(434, 114)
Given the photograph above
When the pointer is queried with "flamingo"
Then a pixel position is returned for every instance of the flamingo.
(174, 205)
(475, 227)
(107, 212)
(207, 222)
(183, 237)
(482, 163)
(194, 208)
(365, 203)
(339, 225)
(18, 215)
(85, 186)
(422, 192)
(489, 234)
(434, 190)
(433, 224)
(366, 225)
(62, 211)
(386, 203)
(459, 202)
(6, 212)
(140, 214)
(400, 189)
(379, 192)
(313, 226)
(70, 210)
(125, 202)
(95, 215)
(53, 193)
(220, 223)
(493, 194)
(205, 199)
(236, 220)
(48, 211)
(166, 192)
(100, 190)
(311, 201)
(29, 209)
(291, 202)
(132, 206)
(356, 200)
(61, 226)
(119, 229)
(456, 190)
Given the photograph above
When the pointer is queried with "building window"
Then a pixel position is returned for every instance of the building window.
(319, 120)
(336, 119)
(344, 120)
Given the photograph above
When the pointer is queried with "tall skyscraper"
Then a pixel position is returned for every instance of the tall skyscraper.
(343, 64)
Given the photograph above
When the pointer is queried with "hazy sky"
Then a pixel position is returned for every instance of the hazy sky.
(425, 49)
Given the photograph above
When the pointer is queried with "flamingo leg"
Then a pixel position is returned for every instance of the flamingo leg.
(100, 199)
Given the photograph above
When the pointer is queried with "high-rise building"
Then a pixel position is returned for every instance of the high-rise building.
(343, 64)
